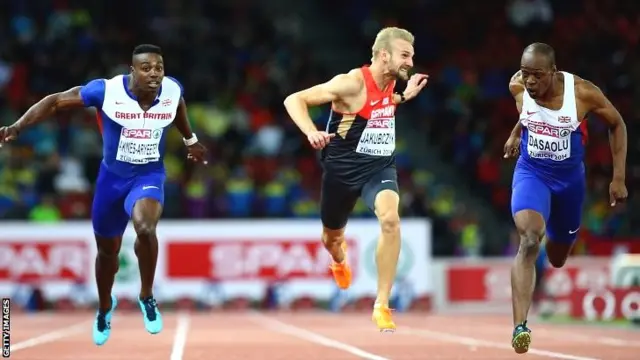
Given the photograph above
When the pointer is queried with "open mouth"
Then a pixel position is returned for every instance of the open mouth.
(153, 84)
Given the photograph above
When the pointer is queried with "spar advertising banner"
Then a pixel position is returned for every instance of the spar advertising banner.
(584, 288)
(212, 261)
(488, 281)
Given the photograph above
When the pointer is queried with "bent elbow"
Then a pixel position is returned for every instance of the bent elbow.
(287, 100)
(290, 99)
(618, 125)
(294, 100)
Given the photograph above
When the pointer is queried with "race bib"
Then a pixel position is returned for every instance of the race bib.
(548, 142)
(139, 146)
(378, 138)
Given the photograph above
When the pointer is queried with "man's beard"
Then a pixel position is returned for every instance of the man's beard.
(402, 74)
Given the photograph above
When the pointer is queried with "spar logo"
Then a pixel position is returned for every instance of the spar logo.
(381, 124)
(252, 260)
(405, 262)
(548, 130)
(141, 133)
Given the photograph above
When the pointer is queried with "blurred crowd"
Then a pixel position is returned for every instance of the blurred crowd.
(238, 65)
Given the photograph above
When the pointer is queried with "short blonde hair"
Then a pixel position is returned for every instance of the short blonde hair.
(386, 36)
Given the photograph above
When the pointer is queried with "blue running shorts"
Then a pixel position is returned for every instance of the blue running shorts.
(559, 201)
(115, 197)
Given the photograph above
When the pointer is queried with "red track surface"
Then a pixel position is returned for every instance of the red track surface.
(309, 336)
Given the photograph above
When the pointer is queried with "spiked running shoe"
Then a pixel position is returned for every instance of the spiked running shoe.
(102, 324)
(151, 314)
(521, 338)
(342, 272)
(382, 318)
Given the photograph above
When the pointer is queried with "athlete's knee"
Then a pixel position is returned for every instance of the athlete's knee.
(108, 247)
(531, 228)
(530, 242)
(386, 209)
(106, 253)
(389, 221)
(332, 237)
(530, 238)
(145, 229)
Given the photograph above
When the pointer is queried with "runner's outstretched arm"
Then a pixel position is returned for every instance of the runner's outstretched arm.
(43, 109)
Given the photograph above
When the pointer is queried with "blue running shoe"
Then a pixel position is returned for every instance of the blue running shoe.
(151, 315)
(102, 325)
(521, 338)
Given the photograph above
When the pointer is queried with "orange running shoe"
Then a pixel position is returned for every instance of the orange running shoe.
(342, 272)
(382, 317)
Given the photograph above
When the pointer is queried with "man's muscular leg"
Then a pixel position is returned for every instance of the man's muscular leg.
(381, 194)
(530, 208)
(335, 244)
(531, 228)
(336, 203)
(386, 205)
(333, 240)
(106, 267)
(146, 214)
(388, 251)
(109, 222)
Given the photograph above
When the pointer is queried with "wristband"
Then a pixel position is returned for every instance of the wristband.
(193, 140)
(402, 98)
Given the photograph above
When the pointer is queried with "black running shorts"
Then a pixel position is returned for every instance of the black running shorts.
(337, 199)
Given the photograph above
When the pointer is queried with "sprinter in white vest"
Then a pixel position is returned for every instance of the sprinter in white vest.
(549, 184)
(134, 113)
